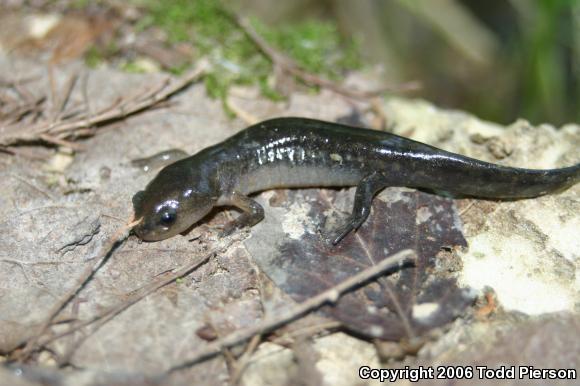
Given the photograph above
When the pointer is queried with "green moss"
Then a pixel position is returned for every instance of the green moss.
(133, 67)
(268, 91)
(80, 4)
(216, 87)
(97, 55)
(178, 70)
(315, 45)
(94, 57)
(184, 19)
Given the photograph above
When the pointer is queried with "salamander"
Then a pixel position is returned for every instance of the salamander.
(300, 153)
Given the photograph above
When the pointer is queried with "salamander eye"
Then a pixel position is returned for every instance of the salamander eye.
(168, 217)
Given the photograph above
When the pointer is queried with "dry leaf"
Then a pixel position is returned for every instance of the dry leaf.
(407, 303)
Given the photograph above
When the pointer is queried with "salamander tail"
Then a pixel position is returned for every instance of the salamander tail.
(506, 182)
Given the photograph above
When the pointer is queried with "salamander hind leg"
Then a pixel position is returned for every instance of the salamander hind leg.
(252, 212)
(366, 189)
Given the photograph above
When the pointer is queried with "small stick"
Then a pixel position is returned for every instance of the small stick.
(123, 111)
(142, 292)
(467, 208)
(330, 296)
(106, 251)
(120, 109)
(290, 66)
(61, 142)
(15, 151)
(68, 91)
(248, 118)
(23, 92)
(32, 263)
(305, 332)
(85, 93)
(244, 360)
(21, 110)
(389, 290)
(10, 83)
(52, 87)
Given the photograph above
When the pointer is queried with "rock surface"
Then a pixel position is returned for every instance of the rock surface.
(53, 219)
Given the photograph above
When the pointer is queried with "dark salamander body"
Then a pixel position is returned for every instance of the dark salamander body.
(299, 152)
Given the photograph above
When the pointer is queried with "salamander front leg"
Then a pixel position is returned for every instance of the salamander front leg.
(252, 212)
(366, 189)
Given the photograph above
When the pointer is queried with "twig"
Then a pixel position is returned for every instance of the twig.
(14, 151)
(380, 121)
(120, 109)
(67, 93)
(467, 208)
(305, 332)
(10, 83)
(61, 142)
(389, 290)
(267, 325)
(22, 109)
(23, 92)
(106, 251)
(52, 87)
(142, 292)
(120, 112)
(85, 93)
(32, 263)
(248, 118)
(124, 110)
(244, 360)
(287, 64)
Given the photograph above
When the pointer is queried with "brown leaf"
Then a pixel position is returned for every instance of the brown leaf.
(409, 302)
(74, 34)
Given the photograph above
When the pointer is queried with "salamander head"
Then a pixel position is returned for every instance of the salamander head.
(167, 208)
